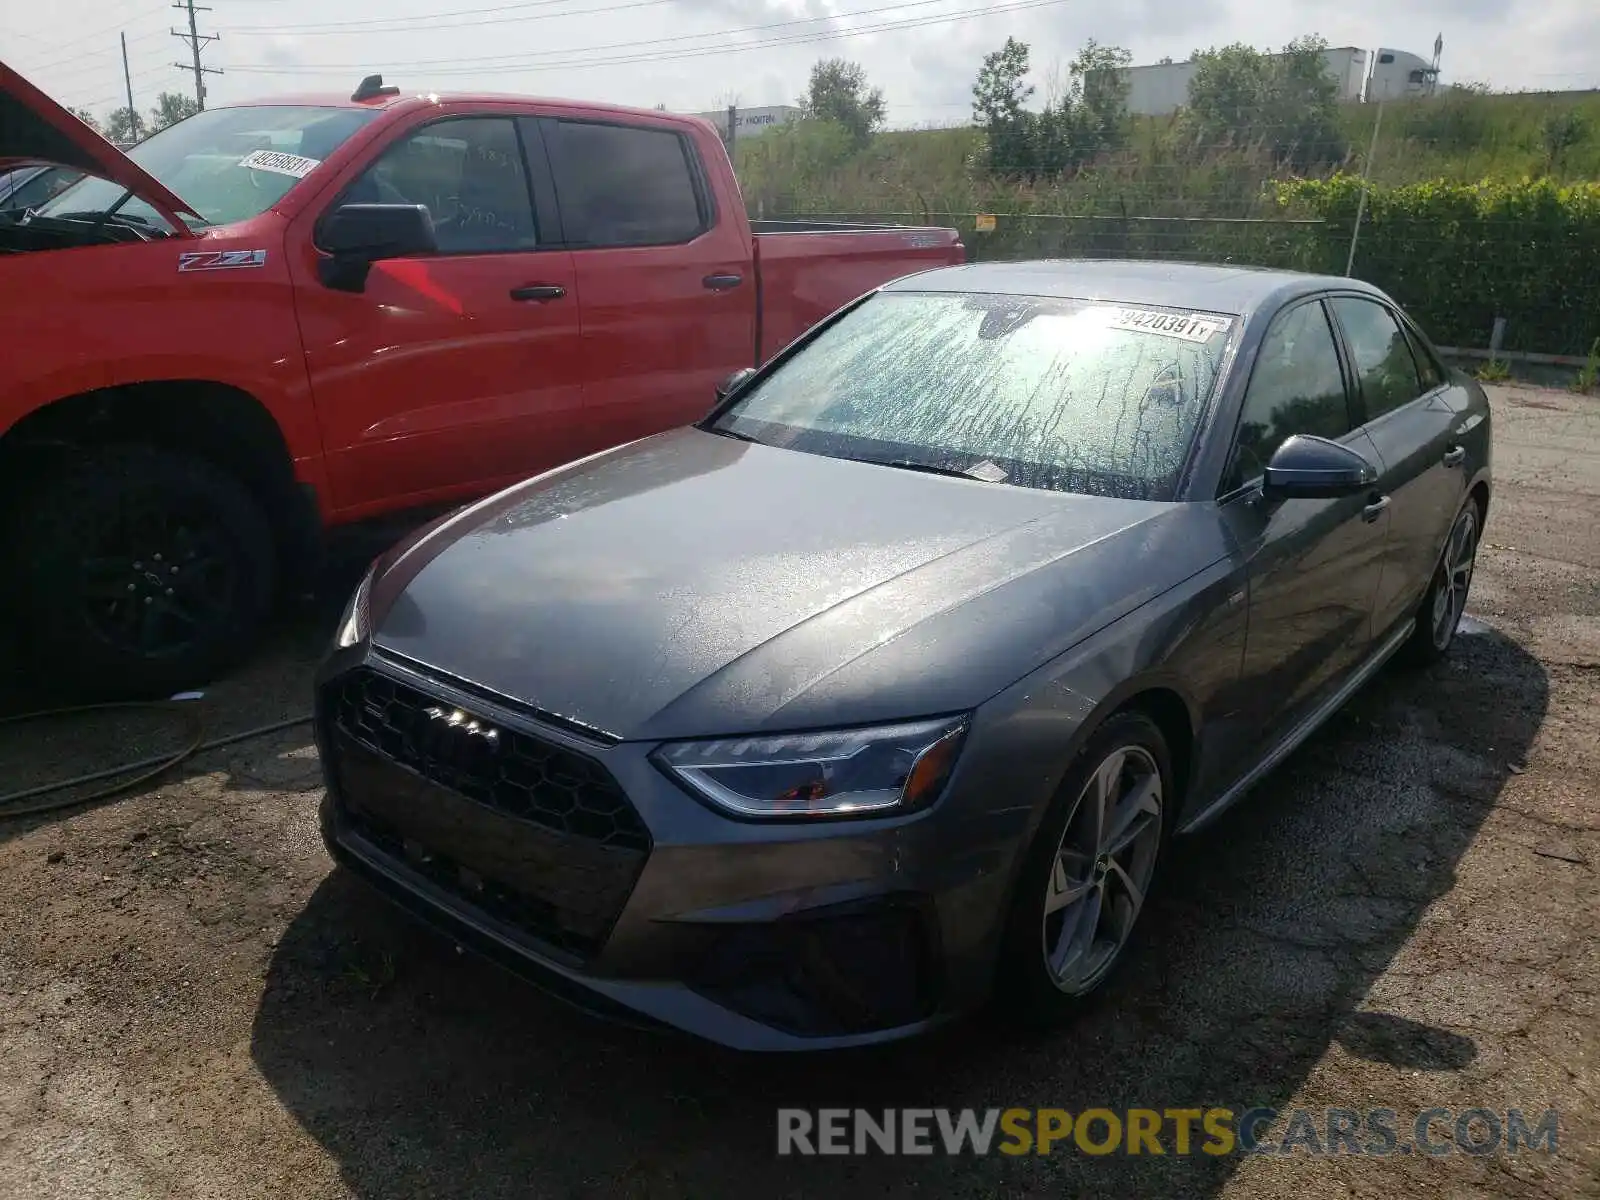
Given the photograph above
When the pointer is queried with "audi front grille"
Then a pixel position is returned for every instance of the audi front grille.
(578, 825)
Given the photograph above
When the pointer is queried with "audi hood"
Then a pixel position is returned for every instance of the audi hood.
(695, 585)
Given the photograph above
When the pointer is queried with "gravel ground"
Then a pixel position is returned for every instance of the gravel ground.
(1403, 916)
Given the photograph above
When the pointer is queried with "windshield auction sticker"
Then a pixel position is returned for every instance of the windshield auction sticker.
(1193, 327)
(279, 163)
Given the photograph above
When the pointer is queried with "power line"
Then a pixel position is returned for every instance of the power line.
(116, 99)
(82, 54)
(534, 56)
(89, 37)
(695, 52)
(405, 25)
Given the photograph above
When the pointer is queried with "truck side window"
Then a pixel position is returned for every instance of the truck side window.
(469, 173)
(621, 185)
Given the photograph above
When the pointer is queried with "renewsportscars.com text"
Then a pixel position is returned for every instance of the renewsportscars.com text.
(1180, 1131)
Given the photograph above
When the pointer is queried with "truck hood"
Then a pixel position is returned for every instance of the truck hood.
(692, 585)
(34, 128)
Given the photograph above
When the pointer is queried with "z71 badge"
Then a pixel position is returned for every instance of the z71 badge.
(220, 260)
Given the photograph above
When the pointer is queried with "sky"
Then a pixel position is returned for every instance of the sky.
(695, 55)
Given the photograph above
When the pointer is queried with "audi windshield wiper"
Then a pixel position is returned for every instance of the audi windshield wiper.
(734, 434)
(984, 472)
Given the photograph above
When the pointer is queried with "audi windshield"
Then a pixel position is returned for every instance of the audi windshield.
(1066, 395)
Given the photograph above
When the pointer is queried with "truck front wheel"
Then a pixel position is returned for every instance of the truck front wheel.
(139, 572)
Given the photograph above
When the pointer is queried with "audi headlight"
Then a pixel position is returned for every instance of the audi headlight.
(353, 624)
(889, 769)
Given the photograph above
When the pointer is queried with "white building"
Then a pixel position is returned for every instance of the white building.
(1163, 88)
(752, 122)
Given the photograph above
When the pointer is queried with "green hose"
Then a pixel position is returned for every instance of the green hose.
(147, 768)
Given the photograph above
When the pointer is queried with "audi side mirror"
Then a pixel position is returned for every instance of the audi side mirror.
(355, 236)
(1313, 468)
(734, 382)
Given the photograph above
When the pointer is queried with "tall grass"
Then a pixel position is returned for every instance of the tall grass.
(1459, 135)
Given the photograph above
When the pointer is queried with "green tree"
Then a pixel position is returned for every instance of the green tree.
(998, 106)
(1099, 95)
(125, 125)
(1559, 132)
(1286, 103)
(839, 92)
(791, 167)
(1088, 117)
(87, 117)
(172, 107)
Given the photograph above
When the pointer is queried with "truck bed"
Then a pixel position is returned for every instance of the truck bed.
(808, 269)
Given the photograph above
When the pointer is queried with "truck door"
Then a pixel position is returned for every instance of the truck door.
(667, 281)
(454, 373)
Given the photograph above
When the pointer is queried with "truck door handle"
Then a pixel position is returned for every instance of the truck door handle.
(538, 291)
(1455, 456)
(722, 283)
(1375, 509)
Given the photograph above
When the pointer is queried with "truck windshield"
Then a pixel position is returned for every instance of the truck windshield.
(229, 163)
(1065, 395)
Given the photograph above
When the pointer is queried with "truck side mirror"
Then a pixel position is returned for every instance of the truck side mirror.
(734, 382)
(355, 236)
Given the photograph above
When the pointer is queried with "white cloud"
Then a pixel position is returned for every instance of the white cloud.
(559, 47)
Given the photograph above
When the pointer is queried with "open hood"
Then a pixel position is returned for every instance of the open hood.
(34, 128)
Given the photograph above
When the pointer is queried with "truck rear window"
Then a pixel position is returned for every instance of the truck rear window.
(624, 185)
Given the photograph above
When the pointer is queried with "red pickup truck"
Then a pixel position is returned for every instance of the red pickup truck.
(275, 318)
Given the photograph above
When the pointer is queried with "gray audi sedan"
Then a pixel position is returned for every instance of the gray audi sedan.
(883, 690)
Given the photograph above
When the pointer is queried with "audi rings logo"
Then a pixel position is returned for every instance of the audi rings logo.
(455, 740)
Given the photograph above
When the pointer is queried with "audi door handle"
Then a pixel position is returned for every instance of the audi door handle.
(1455, 456)
(721, 283)
(538, 291)
(1375, 509)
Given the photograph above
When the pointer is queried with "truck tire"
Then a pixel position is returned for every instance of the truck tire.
(139, 572)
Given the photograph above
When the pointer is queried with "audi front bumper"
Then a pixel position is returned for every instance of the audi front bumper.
(610, 886)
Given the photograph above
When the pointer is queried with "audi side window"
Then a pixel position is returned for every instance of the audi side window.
(33, 190)
(624, 185)
(1428, 368)
(468, 172)
(1382, 356)
(1297, 387)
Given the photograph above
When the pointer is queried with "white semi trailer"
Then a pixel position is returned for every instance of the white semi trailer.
(1383, 74)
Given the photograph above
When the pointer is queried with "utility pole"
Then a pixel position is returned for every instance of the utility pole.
(196, 42)
(1366, 186)
(733, 128)
(127, 79)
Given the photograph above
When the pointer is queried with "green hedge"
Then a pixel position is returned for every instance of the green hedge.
(1459, 255)
(1455, 255)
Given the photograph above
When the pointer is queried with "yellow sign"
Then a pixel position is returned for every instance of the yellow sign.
(985, 223)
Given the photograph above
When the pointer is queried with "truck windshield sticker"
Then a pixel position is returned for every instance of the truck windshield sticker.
(1194, 327)
(221, 260)
(280, 163)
